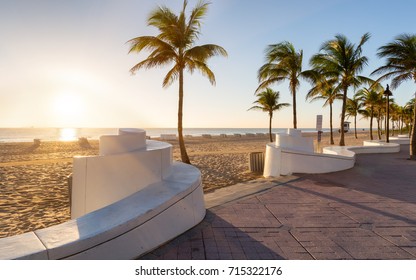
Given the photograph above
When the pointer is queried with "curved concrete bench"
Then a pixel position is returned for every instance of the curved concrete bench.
(400, 139)
(125, 229)
(293, 154)
(369, 147)
(288, 161)
(125, 202)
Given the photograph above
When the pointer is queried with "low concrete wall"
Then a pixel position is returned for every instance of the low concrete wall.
(292, 154)
(101, 180)
(125, 202)
(125, 229)
(308, 162)
(401, 139)
(280, 161)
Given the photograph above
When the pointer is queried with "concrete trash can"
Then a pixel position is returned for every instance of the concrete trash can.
(256, 162)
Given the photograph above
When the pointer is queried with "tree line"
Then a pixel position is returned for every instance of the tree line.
(334, 70)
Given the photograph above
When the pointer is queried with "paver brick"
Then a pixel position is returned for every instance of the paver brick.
(367, 212)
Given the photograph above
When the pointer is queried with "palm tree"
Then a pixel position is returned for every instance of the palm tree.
(340, 59)
(379, 114)
(323, 89)
(174, 46)
(283, 63)
(354, 107)
(401, 118)
(409, 113)
(401, 67)
(268, 101)
(396, 117)
(370, 98)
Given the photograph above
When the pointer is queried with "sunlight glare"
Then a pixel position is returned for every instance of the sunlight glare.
(68, 108)
(67, 134)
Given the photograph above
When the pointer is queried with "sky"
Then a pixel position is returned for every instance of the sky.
(66, 63)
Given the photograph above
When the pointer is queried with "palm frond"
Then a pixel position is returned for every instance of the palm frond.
(151, 43)
(202, 67)
(193, 26)
(171, 76)
(203, 52)
(400, 60)
(269, 82)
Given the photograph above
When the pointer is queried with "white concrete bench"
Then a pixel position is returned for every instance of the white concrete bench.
(285, 161)
(126, 201)
(369, 147)
(400, 139)
(123, 230)
(294, 154)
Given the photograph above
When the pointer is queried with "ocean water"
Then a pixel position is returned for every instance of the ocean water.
(70, 134)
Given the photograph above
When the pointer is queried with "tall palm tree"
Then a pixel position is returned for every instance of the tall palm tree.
(175, 46)
(268, 101)
(323, 89)
(283, 63)
(353, 109)
(380, 114)
(409, 108)
(394, 117)
(370, 98)
(401, 118)
(341, 59)
(400, 67)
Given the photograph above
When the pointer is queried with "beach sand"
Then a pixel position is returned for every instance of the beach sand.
(33, 178)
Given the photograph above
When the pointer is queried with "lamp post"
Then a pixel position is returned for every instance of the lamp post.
(387, 93)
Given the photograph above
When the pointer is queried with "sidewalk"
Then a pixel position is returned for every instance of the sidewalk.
(367, 212)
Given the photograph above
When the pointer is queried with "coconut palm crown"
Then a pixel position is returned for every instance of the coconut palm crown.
(323, 89)
(283, 63)
(174, 47)
(268, 101)
(370, 98)
(400, 66)
(341, 59)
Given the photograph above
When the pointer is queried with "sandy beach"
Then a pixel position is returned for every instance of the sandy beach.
(33, 178)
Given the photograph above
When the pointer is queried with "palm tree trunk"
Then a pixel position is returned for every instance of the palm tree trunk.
(295, 123)
(184, 155)
(270, 126)
(371, 124)
(344, 103)
(330, 123)
(413, 135)
(355, 126)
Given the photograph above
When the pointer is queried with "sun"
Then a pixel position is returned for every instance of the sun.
(68, 108)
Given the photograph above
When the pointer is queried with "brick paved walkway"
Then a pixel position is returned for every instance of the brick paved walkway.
(368, 212)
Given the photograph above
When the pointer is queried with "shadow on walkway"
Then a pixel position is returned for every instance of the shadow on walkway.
(216, 239)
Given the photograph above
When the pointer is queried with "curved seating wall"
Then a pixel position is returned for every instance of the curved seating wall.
(295, 156)
(285, 161)
(159, 208)
(101, 180)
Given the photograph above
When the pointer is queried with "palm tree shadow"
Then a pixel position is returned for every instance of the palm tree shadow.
(215, 239)
(381, 175)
